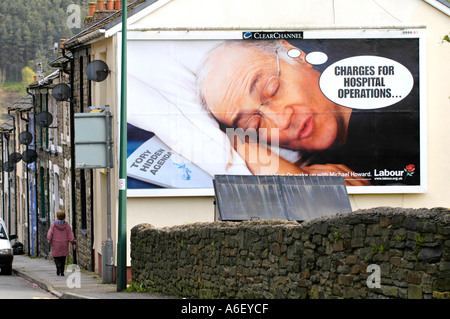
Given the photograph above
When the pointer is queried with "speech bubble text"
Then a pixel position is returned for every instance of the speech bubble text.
(366, 82)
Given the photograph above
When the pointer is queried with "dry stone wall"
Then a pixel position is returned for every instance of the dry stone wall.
(408, 251)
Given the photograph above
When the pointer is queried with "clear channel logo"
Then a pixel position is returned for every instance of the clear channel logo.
(260, 35)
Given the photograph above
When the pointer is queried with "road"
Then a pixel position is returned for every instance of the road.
(13, 287)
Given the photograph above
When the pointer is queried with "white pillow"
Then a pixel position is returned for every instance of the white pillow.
(162, 98)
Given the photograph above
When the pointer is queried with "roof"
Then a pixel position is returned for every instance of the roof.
(6, 122)
(108, 26)
(98, 29)
(445, 2)
(442, 5)
(61, 60)
(47, 80)
(24, 103)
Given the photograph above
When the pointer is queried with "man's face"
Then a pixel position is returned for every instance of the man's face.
(303, 118)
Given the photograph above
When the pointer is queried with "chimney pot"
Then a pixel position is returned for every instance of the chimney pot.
(100, 5)
(117, 5)
(91, 8)
(110, 5)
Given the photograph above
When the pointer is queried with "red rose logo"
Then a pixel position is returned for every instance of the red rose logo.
(409, 169)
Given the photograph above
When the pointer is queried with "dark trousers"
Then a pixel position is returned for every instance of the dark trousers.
(60, 263)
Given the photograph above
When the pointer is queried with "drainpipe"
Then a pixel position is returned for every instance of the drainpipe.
(3, 178)
(4, 145)
(72, 151)
(28, 201)
(72, 137)
(27, 190)
(9, 182)
(15, 176)
(36, 199)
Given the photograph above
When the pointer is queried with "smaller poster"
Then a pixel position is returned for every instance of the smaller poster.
(155, 163)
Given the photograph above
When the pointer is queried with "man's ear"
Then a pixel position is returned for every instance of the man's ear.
(297, 54)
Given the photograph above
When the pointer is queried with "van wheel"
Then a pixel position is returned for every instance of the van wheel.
(7, 270)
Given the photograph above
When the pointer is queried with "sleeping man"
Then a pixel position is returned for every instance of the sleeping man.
(257, 87)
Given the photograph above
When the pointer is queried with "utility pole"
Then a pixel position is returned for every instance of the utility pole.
(122, 218)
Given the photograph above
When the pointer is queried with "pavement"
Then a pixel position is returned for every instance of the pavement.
(75, 284)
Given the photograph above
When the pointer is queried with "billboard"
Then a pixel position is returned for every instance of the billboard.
(305, 103)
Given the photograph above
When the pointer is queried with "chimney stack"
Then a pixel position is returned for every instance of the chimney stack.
(61, 43)
(98, 11)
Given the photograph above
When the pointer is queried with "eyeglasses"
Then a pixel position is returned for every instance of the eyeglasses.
(271, 90)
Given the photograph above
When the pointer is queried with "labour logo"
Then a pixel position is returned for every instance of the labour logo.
(409, 170)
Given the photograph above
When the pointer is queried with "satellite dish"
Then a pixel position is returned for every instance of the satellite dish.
(44, 119)
(61, 92)
(97, 71)
(25, 138)
(8, 167)
(15, 157)
(29, 156)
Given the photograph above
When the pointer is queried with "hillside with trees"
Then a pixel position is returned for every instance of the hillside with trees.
(29, 30)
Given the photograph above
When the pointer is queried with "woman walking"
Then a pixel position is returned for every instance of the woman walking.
(59, 235)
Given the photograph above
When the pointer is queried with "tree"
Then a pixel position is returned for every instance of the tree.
(27, 76)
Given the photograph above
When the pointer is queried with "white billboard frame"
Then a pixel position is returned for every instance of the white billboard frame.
(400, 32)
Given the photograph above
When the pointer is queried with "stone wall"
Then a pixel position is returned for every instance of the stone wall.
(322, 258)
(83, 178)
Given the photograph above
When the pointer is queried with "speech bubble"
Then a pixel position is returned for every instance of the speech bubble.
(316, 58)
(294, 53)
(366, 82)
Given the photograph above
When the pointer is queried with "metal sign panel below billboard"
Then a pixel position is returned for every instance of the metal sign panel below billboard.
(93, 140)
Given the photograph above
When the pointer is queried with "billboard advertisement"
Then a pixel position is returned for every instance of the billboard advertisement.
(344, 103)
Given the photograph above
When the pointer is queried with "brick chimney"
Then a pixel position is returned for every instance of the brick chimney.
(61, 43)
(98, 11)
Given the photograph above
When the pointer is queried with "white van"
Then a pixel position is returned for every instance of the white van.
(6, 251)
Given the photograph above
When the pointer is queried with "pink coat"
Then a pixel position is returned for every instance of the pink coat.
(59, 237)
